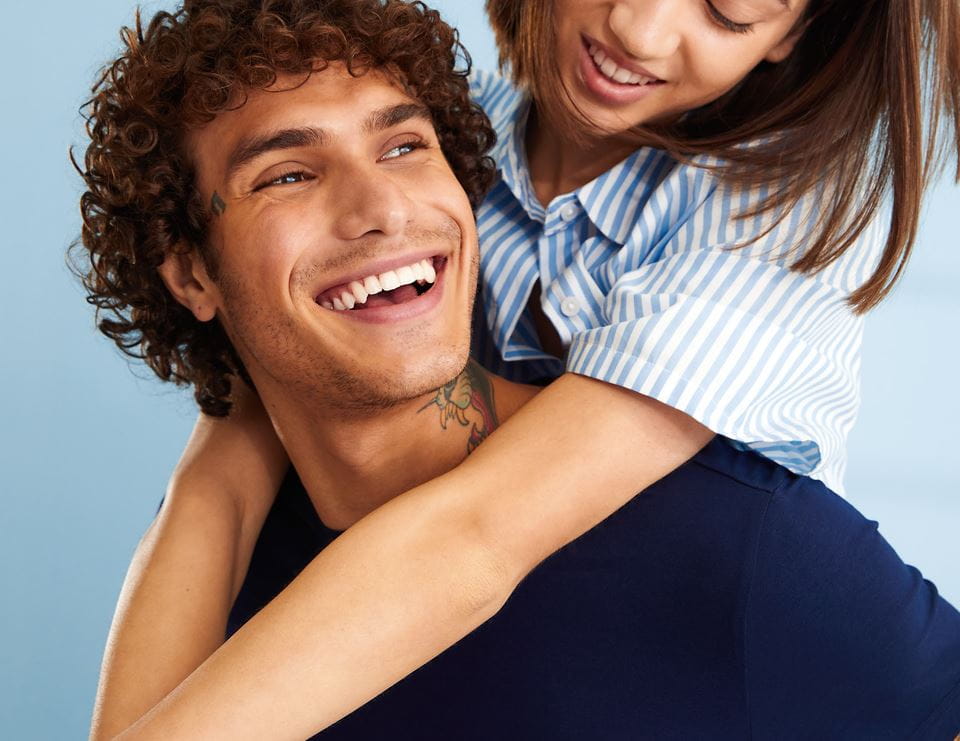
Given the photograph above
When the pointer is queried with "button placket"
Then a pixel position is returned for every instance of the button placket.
(570, 306)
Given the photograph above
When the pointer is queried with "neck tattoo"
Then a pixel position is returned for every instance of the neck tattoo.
(468, 400)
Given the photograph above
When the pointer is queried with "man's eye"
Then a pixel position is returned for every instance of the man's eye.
(287, 178)
(725, 22)
(401, 149)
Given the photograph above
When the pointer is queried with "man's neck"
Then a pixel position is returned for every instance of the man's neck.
(351, 464)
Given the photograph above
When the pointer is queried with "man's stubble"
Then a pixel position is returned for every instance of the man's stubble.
(277, 346)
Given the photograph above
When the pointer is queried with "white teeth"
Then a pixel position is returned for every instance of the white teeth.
(357, 292)
(389, 280)
(610, 69)
(371, 285)
(406, 275)
(429, 274)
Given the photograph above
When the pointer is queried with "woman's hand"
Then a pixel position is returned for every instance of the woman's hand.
(189, 565)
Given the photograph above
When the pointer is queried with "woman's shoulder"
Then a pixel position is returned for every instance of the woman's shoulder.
(496, 94)
(708, 211)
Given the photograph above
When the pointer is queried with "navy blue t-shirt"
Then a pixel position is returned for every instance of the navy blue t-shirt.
(731, 600)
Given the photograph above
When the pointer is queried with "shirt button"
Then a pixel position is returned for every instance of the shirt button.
(569, 212)
(570, 306)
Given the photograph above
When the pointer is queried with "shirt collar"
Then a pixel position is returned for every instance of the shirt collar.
(612, 200)
(512, 157)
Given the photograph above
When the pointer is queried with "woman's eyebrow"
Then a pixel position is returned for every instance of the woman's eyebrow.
(249, 148)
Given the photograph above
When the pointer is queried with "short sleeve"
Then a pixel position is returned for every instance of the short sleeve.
(730, 335)
(841, 638)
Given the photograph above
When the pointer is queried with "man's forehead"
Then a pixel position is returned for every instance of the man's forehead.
(329, 100)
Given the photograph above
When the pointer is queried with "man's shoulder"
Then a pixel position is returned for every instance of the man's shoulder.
(745, 468)
(835, 613)
(836, 630)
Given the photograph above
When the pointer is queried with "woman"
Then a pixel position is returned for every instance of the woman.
(643, 292)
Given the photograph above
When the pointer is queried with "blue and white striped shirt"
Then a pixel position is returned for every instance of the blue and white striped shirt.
(637, 276)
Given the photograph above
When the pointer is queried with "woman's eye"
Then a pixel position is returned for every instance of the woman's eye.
(401, 149)
(287, 178)
(726, 23)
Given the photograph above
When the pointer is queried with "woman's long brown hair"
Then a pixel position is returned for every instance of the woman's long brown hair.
(867, 104)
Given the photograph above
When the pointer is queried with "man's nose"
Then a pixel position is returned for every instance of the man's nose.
(368, 202)
(648, 29)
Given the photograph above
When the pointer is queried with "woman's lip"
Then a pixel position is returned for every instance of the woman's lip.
(605, 90)
(618, 58)
(400, 312)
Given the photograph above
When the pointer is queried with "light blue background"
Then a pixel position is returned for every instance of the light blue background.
(88, 442)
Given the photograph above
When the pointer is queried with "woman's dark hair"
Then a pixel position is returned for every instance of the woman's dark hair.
(141, 203)
(868, 102)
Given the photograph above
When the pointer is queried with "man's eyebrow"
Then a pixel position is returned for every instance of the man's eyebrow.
(380, 119)
(251, 147)
(394, 115)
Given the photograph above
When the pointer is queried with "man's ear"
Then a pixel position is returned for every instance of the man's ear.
(786, 46)
(188, 282)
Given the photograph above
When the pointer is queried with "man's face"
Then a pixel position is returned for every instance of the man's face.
(330, 194)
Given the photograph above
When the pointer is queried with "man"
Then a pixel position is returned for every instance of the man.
(308, 228)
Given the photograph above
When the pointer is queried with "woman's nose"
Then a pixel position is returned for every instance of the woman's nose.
(647, 29)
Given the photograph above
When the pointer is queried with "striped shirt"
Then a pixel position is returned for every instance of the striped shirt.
(638, 278)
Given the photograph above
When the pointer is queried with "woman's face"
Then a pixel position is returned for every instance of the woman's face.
(630, 62)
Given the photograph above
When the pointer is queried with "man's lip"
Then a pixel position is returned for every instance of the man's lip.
(375, 268)
(618, 58)
(417, 308)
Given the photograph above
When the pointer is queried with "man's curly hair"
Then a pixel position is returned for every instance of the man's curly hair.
(141, 201)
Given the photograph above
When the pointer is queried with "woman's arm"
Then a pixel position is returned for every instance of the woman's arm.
(189, 566)
(416, 575)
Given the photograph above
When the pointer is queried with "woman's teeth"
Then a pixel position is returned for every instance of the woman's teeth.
(613, 72)
(357, 292)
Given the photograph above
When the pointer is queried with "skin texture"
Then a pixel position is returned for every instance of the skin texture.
(283, 233)
(682, 43)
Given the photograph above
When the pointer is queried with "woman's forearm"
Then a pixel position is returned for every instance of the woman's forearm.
(189, 565)
(172, 610)
(393, 591)
(413, 577)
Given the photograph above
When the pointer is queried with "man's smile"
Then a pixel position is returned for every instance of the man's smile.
(383, 287)
(394, 291)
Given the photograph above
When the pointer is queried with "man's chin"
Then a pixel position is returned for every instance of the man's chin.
(394, 388)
